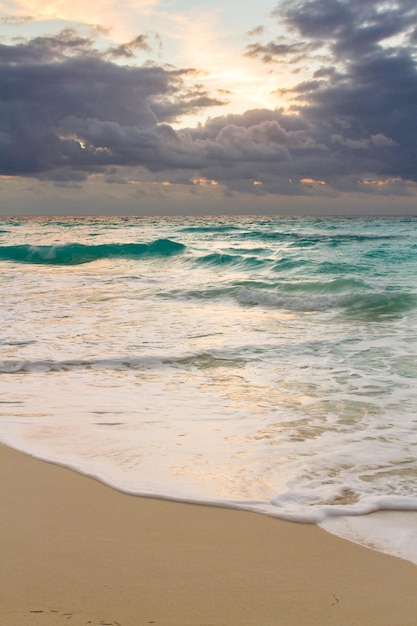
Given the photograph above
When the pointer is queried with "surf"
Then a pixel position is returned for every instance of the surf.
(78, 253)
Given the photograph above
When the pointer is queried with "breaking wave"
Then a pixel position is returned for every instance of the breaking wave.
(77, 253)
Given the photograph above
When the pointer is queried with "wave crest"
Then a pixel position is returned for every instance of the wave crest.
(77, 253)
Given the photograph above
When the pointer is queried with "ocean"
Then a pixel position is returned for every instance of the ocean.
(266, 364)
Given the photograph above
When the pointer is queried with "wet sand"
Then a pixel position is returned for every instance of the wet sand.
(74, 551)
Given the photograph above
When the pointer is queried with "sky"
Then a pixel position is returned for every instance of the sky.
(165, 107)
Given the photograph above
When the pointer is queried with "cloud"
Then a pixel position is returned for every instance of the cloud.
(127, 50)
(258, 30)
(63, 104)
(12, 20)
(349, 28)
(46, 49)
(68, 110)
(280, 50)
(361, 99)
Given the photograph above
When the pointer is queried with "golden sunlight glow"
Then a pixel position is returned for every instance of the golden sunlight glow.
(227, 74)
(379, 182)
(257, 182)
(75, 139)
(118, 17)
(203, 181)
(312, 181)
(191, 38)
(385, 182)
(369, 181)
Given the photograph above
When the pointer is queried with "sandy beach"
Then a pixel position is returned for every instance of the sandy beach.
(74, 551)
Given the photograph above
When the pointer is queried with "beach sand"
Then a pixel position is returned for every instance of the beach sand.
(74, 551)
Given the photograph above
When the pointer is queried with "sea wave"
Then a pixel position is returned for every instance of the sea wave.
(351, 296)
(200, 360)
(313, 238)
(387, 304)
(238, 260)
(77, 253)
(211, 228)
(376, 305)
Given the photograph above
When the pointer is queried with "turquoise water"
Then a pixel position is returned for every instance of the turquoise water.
(261, 363)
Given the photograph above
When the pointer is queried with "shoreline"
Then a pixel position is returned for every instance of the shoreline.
(77, 551)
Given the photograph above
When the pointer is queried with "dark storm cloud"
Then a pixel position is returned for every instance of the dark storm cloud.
(349, 27)
(63, 104)
(68, 110)
(361, 101)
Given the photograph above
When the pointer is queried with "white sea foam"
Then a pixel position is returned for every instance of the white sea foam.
(393, 532)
